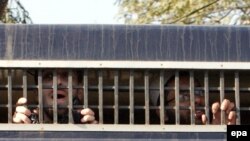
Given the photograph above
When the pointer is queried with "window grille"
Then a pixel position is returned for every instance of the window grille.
(114, 92)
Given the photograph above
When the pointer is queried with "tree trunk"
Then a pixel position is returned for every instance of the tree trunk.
(3, 5)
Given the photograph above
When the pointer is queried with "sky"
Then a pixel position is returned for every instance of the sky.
(72, 11)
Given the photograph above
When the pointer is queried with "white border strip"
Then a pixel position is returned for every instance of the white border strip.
(124, 64)
(113, 128)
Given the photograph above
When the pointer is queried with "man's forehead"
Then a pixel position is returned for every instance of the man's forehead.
(59, 71)
(183, 80)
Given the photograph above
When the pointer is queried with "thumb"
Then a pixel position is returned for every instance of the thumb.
(21, 101)
(36, 111)
(204, 119)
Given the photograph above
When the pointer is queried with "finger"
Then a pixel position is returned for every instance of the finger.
(87, 111)
(88, 118)
(94, 122)
(204, 119)
(21, 118)
(225, 104)
(216, 113)
(232, 118)
(215, 107)
(16, 119)
(23, 110)
(21, 101)
(230, 107)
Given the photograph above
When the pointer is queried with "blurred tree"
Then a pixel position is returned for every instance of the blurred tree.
(12, 11)
(185, 11)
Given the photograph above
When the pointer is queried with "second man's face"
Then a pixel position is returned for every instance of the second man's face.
(184, 101)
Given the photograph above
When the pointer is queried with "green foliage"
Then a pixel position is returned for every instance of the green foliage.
(184, 11)
(12, 11)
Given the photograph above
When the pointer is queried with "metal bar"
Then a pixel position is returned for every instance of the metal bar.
(85, 88)
(162, 105)
(222, 95)
(105, 107)
(126, 64)
(192, 98)
(237, 97)
(25, 84)
(117, 128)
(18, 87)
(131, 97)
(146, 83)
(9, 96)
(177, 98)
(116, 97)
(107, 88)
(121, 88)
(206, 85)
(40, 95)
(70, 96)
(55, 119)
(244, 109)
(100, 91)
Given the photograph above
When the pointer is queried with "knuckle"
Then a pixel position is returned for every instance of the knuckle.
(87, 111)
(88, 118)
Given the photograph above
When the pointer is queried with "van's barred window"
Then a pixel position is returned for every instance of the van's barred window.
(125, 96)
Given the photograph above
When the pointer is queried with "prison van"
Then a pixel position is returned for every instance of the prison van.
(123, 71)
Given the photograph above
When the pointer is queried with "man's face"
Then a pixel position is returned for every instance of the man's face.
(62, 88)
(184, 99)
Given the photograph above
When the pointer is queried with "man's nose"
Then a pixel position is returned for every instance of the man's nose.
(60, 80)
(198, 100)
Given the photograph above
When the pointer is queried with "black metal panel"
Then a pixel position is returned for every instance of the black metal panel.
(107, 136)
(125, 42)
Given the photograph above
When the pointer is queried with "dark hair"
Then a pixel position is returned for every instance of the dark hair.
(34, 73)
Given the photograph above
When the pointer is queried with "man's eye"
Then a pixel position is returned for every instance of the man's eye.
(199, 93)
(186, 98)
(181, 97)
